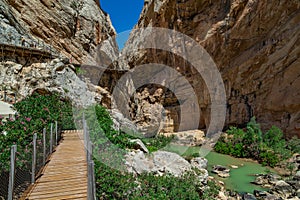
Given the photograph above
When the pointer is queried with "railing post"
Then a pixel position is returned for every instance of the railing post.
(44, 146)
(86, 141)
(12, 172)
(91, 173)
(51, 138)
(93, 180)
(33, 159)
(56, 134)
(90, 163)
(84, 130)
(89, 151)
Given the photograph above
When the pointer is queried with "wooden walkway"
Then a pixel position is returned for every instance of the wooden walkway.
(65, 176)
(25, 51)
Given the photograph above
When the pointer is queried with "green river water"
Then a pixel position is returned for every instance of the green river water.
(239, 179)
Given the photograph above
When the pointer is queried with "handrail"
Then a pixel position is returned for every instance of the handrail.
(91, 165)
(40, 152)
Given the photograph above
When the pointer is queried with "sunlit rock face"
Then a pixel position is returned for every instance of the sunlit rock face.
(45, 78)
(75, 32)
(255, 45)
(74, 28)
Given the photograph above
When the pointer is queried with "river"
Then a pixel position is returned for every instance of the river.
(239, 179)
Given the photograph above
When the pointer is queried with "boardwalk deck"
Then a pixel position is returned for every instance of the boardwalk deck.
(65, 176)
(26, 51)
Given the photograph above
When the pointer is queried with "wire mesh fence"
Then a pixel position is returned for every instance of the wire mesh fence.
(26, 162)
(4, 177)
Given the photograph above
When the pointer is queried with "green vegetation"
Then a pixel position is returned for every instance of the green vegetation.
(113, 183)
(34, 113)
(38, 111)
(121, 139)
(211, 192)
(79, 71)
(268, 148)
(108, 141)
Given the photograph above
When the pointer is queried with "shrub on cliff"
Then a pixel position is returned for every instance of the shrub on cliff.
(268, 148)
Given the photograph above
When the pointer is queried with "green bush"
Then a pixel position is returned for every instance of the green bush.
(45, 109)
(34, 113)
(211, 192)
(113, 184)
(268, 157)
(120, 139)
(294, 144)
(157, 142)
(233, 145)
(268, 148)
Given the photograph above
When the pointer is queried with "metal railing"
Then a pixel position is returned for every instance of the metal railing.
(90, 162)
(16, 180)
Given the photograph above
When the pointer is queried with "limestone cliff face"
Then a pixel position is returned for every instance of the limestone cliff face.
(74, 28)
(256, 46)
(46, 77)
(74, 31)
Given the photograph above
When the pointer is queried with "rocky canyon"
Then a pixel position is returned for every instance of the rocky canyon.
(157, 106)
(255, 45)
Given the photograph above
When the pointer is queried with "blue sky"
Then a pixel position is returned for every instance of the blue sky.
(124, 14)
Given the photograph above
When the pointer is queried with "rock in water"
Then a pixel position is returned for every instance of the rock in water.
(266, 180)
(283, 189)
(248, 197)
(221, 171)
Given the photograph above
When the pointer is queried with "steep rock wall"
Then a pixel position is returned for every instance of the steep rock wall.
(255, 45)
(74, 28)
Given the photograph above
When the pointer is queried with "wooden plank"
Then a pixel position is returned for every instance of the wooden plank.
(81, 189)
(65, 186)
(59, 192)
(64, 197)
(57, 178)
(65, 176)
